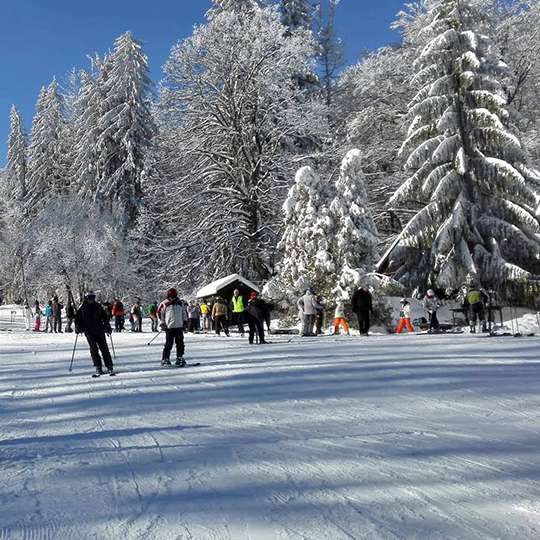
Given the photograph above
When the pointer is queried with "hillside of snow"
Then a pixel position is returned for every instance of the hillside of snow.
(386, 437)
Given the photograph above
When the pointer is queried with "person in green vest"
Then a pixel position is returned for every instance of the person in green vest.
(238, 309)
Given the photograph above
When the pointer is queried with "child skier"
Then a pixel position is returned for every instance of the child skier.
(340, 319)
(404, 317)
(37, 316)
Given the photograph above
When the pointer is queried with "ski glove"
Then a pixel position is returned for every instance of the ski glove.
(163, 326)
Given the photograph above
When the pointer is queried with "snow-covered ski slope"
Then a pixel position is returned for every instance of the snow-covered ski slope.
(386, 437)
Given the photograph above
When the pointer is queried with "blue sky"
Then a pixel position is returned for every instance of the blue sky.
(40, 39)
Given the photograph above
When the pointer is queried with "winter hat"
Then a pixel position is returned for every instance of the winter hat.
(431, 292)
(172, 293)
(90, 295)
(403, 301)
(253, 295)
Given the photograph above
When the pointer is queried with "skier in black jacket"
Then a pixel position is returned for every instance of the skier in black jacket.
(92, 320)
(362, 305)
(256, 314)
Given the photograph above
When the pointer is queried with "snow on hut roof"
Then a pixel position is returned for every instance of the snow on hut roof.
(212, 289)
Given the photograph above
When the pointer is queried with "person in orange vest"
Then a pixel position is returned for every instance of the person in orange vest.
(404, 317)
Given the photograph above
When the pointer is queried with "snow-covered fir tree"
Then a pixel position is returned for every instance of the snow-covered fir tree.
(308, 238)
(233, 5)
(126, 128)
(227, 113)
(331, 53)
(17, 159)
(47, 166)
(477, 211)
(85, 129)
(356, 238)
(297, 14)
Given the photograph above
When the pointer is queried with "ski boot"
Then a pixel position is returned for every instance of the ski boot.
(180, 362)
(99, 372)
(111, 372)
(166, 362)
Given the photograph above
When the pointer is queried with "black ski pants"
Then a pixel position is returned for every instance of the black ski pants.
(220, 323)
(256, 327)
(363, 321)
(57, 323)
(433, 321)
(173, 336)
(118, 323)
(98, 343)
(238, 317)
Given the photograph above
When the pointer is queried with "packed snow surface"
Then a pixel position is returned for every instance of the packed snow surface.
(386, 437)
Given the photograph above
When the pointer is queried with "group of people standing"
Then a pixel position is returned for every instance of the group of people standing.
(51, 314)
(176, 316)
(312, 308)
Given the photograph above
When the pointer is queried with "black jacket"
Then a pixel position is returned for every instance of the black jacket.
(362, 301)
(257, 309)
(92, 319)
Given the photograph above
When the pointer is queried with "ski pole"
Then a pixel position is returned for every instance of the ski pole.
(73, 355)
(153, 339)
(112, 346)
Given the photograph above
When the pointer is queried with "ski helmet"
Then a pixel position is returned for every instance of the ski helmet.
(431, 292)
(403, 301)
(172, 293)
(253, 295)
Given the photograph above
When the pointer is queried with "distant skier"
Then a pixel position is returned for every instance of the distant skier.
(37, 317)
(362, 305)
(238, 310)
(57, 315)
(308, 306)
(475, 303)
(172, 314)
(340, 319)
(404, 317)
(48, 317)
(431, 305)
(118, 314)
(136, 311)
(256, 313)
(220, 314)
(28, 316)
(206, 311)
(152, 312)
(194, 314)
(92, 320)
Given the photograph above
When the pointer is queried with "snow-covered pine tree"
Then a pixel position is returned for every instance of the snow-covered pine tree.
(356, 238)
(126, 128)
(331, 53)
(47, 168)
(233, 5)
(297, 14)
(307, 241)
(17, 159)
(478, 214)
(85, 128)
